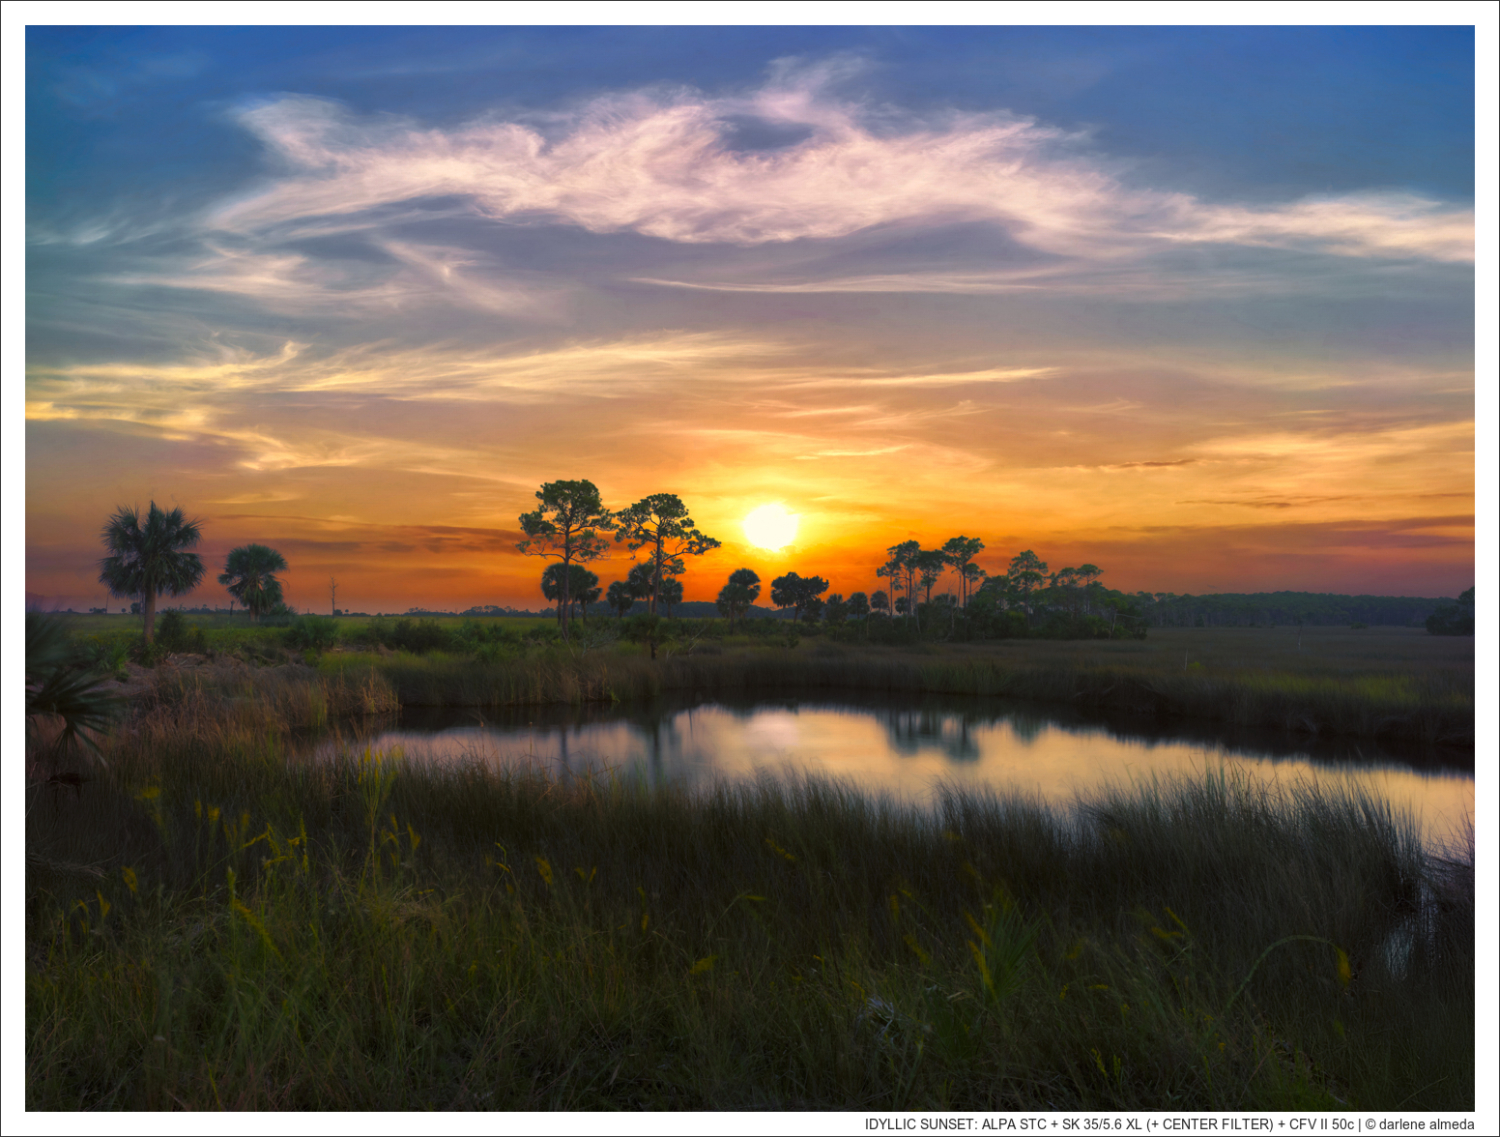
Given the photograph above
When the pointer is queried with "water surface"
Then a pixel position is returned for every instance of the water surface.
(910, 746)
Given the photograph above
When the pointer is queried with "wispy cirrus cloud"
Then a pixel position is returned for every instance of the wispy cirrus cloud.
(671, 165)
(623, 368)
(1150, 277)
(411, 275)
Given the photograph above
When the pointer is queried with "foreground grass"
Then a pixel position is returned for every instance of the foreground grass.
(211, 924)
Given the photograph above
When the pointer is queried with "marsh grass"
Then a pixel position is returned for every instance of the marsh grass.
(262, 931)
(1377, 693)
(1396, 684)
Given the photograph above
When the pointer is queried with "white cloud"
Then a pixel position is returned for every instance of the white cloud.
(661, 165)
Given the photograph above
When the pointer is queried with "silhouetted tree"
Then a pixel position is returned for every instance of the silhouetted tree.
(150, 560)
(1027, 574)
(583, 588)
(901, 569)
(974, 578)
(797, 593)
(620, 597)
(960, 552)
(930, 565)
(660, 524)
(641, 580)
(566, 527)
(671, 593)
(736, 596)
(859, 609)
(250, 577)
(835, 610)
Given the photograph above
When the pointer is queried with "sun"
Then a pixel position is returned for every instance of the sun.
(771, 526)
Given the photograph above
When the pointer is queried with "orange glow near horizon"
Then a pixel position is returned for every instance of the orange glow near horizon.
(430, 521)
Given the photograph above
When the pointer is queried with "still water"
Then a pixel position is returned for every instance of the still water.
(909, 747)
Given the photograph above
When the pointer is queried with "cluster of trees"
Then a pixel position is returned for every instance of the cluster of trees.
(1454, 619)
(802, 595)
(572, 523)
(479, 610)
(1027, 600)
(571, 527)
(151, 557)
(913, 569)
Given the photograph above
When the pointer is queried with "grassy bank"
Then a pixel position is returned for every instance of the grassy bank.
(1395, 684)
(1399, 687)
(210, 924)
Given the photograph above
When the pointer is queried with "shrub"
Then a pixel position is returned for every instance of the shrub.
(174, 633)
(415, 636)
(313, 633)
(1454, 619)
(279, 615)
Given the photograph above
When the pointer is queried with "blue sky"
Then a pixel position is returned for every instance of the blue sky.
(1192, 303)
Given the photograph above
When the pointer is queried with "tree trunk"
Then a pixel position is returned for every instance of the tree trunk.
(148, 609)
(657, 558)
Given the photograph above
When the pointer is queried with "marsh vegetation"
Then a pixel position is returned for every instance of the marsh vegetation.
(218, 920)
(364, 935)
(214, 920)
(1400, 685)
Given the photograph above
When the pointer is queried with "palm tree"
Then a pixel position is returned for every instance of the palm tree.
(149, 560)
(249, 576)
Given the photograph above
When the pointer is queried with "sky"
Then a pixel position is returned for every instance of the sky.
(1193, 304)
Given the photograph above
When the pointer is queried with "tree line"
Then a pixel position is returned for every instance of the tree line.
(150, 556)
(1270, 609)
(1027, 599)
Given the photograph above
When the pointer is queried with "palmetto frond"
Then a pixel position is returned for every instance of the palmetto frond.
(55, 685)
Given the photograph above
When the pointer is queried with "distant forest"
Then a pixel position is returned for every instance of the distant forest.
(1161, 610)
(1263, 609)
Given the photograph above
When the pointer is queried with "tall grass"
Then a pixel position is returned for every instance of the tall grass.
(1429, 707)
(358, 933)
(1394, 684)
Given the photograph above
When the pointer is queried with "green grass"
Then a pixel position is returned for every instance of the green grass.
(213, 923)
(1396, 684)
(1399, 687)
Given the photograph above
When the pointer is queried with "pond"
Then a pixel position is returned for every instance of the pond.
(909, 746)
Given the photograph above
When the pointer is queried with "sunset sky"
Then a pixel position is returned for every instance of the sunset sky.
(1193, 304)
